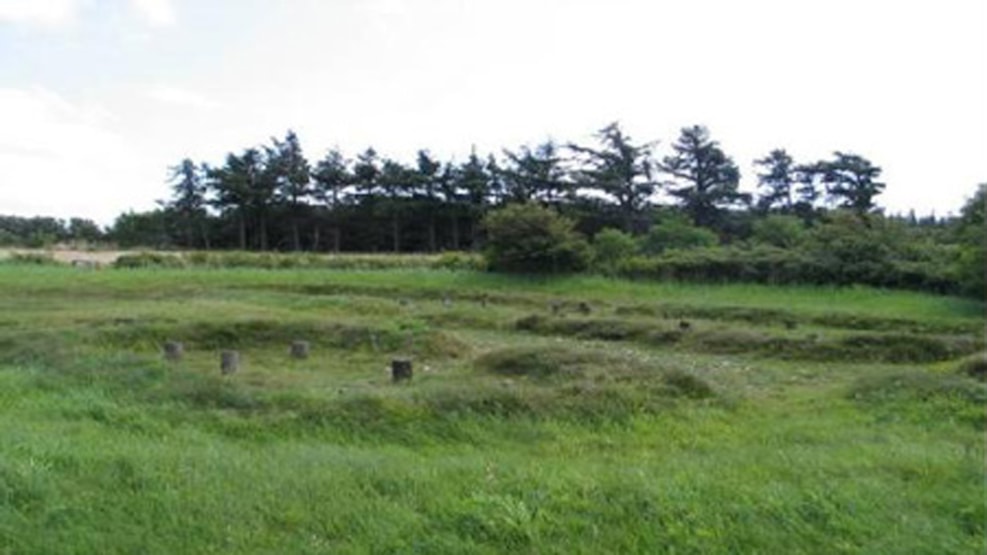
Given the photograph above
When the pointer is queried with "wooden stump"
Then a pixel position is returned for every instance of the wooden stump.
(401, 369)
(173, 350)
(299, 349)
(229, 362)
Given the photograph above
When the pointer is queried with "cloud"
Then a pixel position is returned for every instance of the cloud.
(157, 13)
(181, 98)
(46, 13)
(62, 159)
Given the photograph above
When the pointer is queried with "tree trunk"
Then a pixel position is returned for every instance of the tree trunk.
(335, 239)
(263, 232)
(455, 232)
(205, 235)
(473, 232)
(432, 247)
(396, 233)
(243, 231)
(296, 238)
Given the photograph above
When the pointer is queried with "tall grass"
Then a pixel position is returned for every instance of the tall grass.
(503, 441)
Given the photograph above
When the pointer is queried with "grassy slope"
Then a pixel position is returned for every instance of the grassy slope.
(108, 449)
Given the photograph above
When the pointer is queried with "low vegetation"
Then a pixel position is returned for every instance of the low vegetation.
(573, 414)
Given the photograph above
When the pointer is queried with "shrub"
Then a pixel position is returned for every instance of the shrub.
(533, 239)
(32, 258)
(149, 260)
(778, 230)
(610, 248)
(459, 261)
(972, 259)
(675, 231)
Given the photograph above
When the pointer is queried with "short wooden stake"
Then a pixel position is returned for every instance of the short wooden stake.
(173, 350)
(299, 349)
(401, 369)
(229, 362)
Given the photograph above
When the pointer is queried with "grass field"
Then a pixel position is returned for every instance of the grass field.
(565, 415)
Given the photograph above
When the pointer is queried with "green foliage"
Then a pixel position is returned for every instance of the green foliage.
(459, 261)
(144, 229)
(706, 179)
(621, 170)
(777, 182)
(851, 180)
(31, 258)
(529, 238)
(972, 233)
(611, 247)
(456, 261)
(673, 232)
(149, 260)
(851, 249)
(779, 231)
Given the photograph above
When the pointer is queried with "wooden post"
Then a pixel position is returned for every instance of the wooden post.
(229, 362)
(401, 369)
(173, 350)
(299, 349)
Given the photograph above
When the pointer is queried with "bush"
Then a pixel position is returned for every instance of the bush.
(852, 249)
(533, 239)
(778, 231)
(970, 263)
(149, 260)
(32, 258)
(459, 261)
(675, 231)
(610, 248)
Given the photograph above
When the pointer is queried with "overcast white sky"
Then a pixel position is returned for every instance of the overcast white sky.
(99, 97)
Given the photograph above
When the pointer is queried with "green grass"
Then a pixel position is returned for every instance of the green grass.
(588, 436)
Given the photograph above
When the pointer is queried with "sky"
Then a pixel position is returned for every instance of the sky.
(98, 98)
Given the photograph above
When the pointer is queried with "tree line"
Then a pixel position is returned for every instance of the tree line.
(272, 197)
(624, 210)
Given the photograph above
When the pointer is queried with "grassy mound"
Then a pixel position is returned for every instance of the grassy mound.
(860, 347)
(974, 366)
(923, 397)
